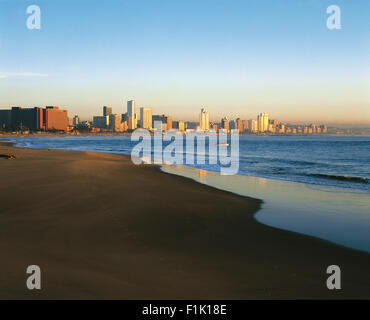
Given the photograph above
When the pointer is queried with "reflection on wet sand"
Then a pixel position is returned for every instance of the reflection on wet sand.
(333, 214)
(202, 175)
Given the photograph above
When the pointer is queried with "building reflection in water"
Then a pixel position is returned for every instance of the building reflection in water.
(202, 174)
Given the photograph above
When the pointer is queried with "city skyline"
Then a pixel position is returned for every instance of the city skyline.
(191, 118)
(263, 124)
(130, 120)
(278, 57)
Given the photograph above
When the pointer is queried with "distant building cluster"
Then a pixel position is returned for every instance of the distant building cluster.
(262, 125)
(110, 122)
(130, 121)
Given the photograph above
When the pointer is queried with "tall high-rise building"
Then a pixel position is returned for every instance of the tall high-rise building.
(239, 125)
(55, 119)
(146, 118)
(263, 122)
(169, 122)
(115, 123)
(204, 120)
(131, 113)
(130, 123)
(107, 111)
(245, 125)
(253, 125)
(131, 108)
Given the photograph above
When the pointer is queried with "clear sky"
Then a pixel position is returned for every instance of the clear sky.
(235, 57)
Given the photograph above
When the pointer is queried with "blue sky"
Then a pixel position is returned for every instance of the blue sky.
(238, 58)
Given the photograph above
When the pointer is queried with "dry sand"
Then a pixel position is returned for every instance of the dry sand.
(102, 228)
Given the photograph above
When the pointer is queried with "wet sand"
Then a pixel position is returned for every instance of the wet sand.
(102, 228)
(337, 215)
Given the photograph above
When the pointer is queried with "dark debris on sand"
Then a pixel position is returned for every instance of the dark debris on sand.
(7, 156)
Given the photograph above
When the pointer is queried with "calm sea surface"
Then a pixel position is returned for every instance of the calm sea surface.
(330, 161)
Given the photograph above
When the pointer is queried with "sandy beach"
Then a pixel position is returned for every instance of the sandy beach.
(100, 227)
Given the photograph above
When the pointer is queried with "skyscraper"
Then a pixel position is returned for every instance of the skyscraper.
(131, 113)
(146, 118)
(263, 122)
(253, 125)
(245, 125)
(204, 120)
(239, 124)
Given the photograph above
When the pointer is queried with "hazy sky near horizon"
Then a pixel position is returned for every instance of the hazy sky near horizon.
(235, 57)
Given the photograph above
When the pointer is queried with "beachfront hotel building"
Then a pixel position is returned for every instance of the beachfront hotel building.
(204, 120)
(101, 122)
(48, 118)
(146, 118)
(239, 125)
(131, 115)
(263, 122)
(245, 125)
(253, 125)
(115, 123)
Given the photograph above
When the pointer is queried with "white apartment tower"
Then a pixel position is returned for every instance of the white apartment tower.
(146, 118)
(263, 122)
(131, 113)
(204, 120)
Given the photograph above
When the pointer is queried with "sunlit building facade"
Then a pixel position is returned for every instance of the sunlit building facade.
(204, 120)
(263, 122)
(146, 118)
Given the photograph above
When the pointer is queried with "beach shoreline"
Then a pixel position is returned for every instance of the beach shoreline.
(102, 228)
(326, 213)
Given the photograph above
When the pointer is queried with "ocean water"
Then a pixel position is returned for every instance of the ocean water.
(318, 186)
(342, 162)
(332, 161)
